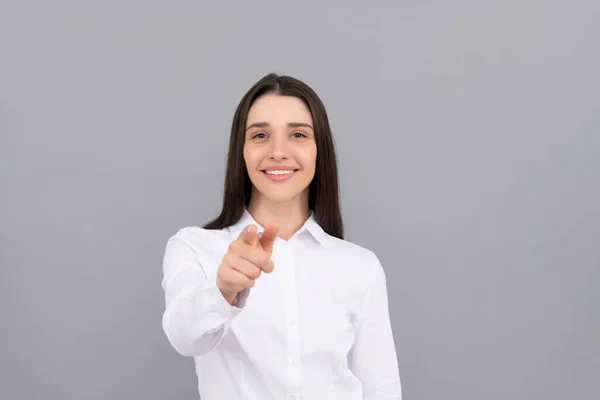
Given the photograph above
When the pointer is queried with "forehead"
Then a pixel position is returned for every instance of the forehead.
(274, 108)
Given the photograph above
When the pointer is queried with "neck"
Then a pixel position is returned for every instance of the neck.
(290, 215)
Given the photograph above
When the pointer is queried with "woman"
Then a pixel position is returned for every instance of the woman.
(268, 298)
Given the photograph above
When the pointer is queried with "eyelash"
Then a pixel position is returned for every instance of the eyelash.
(295, 133)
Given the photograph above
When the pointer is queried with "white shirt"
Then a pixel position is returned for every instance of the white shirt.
(315, 328)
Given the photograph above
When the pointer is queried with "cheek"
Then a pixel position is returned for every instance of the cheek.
(250, 158)
(309, 158)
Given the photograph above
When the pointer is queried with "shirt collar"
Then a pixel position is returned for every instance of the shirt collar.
(311, 225)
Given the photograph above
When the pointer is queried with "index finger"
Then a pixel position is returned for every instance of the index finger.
(268, 236)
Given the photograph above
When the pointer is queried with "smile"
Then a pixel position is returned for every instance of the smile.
(279, 175)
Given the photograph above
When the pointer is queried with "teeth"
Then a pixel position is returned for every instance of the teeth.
(280, 172)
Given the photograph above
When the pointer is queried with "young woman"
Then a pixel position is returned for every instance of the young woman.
(268, 298)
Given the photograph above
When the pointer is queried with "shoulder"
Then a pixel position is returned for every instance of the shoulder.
(345, 248)
(199, 237)
(207, 246)
(355, 258)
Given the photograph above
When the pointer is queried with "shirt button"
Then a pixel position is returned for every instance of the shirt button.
(293, 323)
(293, 360)
(293, 396)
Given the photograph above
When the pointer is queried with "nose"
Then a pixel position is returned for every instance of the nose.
(278, 149)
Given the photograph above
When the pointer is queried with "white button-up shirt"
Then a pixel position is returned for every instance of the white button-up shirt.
(315, 328)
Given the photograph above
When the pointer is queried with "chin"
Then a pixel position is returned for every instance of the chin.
(280, 197)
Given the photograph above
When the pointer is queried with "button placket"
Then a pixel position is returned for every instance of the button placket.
(293, 333)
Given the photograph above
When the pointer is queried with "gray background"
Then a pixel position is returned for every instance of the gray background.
(468, 139)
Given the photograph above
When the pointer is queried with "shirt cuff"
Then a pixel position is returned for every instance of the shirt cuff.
(240, 299)
(217, 311)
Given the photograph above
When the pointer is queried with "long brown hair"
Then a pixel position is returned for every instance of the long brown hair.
(323, 196)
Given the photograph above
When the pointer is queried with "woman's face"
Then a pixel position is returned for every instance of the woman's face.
(280, 150)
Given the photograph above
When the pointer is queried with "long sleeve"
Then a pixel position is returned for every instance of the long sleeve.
(373, 356)
(197, 316)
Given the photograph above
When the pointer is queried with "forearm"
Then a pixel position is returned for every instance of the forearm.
(197, 321)
(197, 315)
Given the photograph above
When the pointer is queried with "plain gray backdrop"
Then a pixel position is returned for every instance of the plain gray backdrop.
(468, 136)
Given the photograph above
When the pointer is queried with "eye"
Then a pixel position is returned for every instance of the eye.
(259, 135)
(301, 135)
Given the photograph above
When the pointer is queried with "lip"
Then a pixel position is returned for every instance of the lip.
(279, 168)
(279, 178)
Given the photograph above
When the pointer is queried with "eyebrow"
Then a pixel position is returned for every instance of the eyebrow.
(290, 124)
